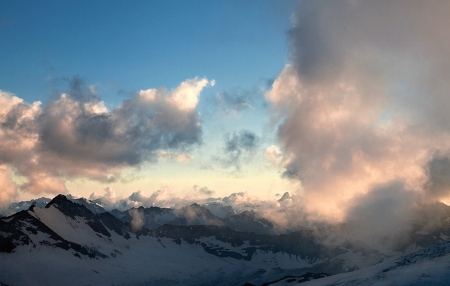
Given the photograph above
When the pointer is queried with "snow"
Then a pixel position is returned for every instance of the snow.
(429, 266)
(147, 261)
(137, 261)
(151, 260)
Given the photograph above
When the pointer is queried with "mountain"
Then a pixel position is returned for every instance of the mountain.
(42, 202)
(81, 247)
(195, 214)
(66, 243)
(24, 205)
(424, 267)
(220, 210)
(91, 205)
(285, 196)
(25, 231)
(152, 217)
(249, 221)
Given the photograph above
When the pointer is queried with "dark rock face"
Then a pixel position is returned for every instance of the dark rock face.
(114, 224)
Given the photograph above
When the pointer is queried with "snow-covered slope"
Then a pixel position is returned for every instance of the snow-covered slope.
(430, 266)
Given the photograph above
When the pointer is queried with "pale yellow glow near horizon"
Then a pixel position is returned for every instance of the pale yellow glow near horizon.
(180, 179)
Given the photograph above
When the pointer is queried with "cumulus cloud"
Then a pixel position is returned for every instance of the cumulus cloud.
(164, 197)
(76, 136)
(238, 146)
(109, 197)
(363, 99)
(273, 155)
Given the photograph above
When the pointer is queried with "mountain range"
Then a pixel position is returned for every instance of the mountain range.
(72, 241)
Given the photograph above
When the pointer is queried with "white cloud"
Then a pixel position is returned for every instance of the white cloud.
(273, 155)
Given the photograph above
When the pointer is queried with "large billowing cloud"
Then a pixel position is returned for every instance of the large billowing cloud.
(365, 100)
(77, 136)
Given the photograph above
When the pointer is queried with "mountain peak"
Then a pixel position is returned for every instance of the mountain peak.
(59, 199)
(285, 197)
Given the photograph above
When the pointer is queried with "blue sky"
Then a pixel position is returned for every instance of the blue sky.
(119, 49)
(122, 47)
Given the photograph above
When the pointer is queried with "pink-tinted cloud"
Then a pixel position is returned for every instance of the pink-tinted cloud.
(363, 100)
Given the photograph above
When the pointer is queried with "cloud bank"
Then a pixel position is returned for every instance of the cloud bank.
(76, 136)
(364, 101)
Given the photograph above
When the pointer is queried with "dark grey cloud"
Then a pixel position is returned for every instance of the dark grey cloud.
(76, 136)
(238, 146)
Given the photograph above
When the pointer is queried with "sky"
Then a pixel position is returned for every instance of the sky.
(223, 55)
(344, 104)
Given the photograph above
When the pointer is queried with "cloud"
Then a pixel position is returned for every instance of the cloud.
(438, 184)
(238, 146)
(8, 191)
(109, 197)
(383, 215)
(137, 221)
(180, 157)
(237, 100)
(76, 136)
(163, 197)
(204, 190)
(273, 155)
(363, 99)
